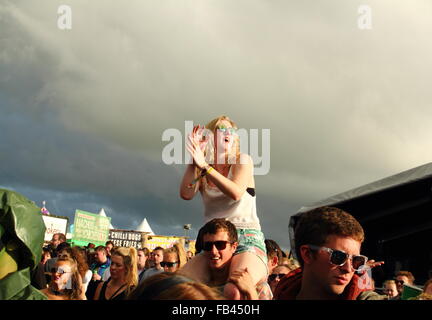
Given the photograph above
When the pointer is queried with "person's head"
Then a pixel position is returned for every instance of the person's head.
(142, 256)
(124, 266)
(403, 277)
(65, 277)
(189, 254)
(100, 254)
(46, 254)
(390, 288)
(171, 286)
(327, 244)
(108, 246)
(57, 238)
(157, 256)
(174, 258)
(65, 253)
(427, 288)
(274, 254)
(278, 273)
(219, 242)
(225, 140)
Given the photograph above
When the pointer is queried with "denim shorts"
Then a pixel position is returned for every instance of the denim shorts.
(252, 240)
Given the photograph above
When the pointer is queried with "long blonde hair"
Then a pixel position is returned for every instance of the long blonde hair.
(179, 250)
(129, 256)
(209, 152)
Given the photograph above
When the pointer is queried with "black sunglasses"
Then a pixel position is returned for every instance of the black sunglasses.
(400, 282)
(276, 275)
(220, 245)
(168, 264)
(339, 257)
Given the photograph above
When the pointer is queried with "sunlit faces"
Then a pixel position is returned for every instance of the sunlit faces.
(170, 262)
(55, 240)
(278, 273)
(117, 267)
(100, 256)
(158, 256)
(390, 289)
(61, 275)
(218, 258)
(108, 248)
(224, 136)
(400, 281)
(141, 260)
(331, 279)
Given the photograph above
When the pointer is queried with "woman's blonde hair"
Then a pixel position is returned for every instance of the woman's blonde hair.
(209, 152)
(179, 250)
(129, 256)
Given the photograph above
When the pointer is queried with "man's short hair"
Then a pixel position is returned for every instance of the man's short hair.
(109, 242)
(101, 248)
(216, 225)
(316, 225)
(407, 274)
(145, 250)
(158, 248)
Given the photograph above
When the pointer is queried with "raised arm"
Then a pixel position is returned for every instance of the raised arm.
(187, 193)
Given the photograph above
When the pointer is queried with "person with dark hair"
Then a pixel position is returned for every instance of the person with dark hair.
(403, 277)
(51, 262)
(157, 257)
(100, 269)
(327, 245)
(274, 254)
(108, 246)
(143, 255)
(219, 242)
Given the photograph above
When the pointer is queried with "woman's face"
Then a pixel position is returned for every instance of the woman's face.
(61, 275)
(117, 267)
(278, 273)
(224, 136)
(170, 262)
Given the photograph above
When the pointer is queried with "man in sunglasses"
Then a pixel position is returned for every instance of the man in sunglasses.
(327, 245)
(403, 277)
(218, 241)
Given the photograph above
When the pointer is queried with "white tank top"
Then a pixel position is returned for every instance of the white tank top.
(241, 213)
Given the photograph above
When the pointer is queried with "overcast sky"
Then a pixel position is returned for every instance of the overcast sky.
(83, 110)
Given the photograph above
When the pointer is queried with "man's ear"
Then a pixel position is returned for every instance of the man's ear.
(306, 254)
(234, 246)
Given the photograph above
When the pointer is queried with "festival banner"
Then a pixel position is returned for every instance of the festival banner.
(126, 238)
(54, 224)
(162, 241)
(90, 227)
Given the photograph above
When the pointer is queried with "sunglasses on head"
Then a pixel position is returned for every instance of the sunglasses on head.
(273, 277)
(339, 258)
(220, 245)
(168, 264)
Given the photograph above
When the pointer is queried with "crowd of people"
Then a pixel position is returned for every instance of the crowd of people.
(233, 259)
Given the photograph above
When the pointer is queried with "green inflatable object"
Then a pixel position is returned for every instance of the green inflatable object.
(22, 231)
